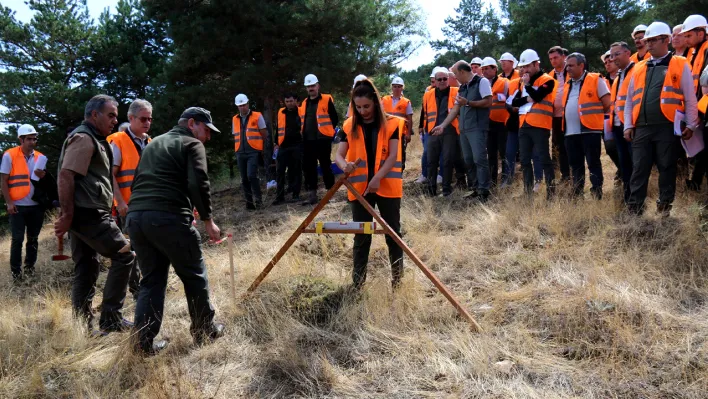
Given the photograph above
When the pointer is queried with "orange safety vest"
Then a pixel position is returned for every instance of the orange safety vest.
(635, 57)
(253, 133)
(541, 114)
(514, 75)
(592, 116)
(391, 184)
(697, 61)
(18, 181)
(431, 87)
(672, 98)
(498, 112)
(281, 125)
(619, 96)
(399, 110)
(703, 104)
(431, 108)
(128, 163)
(324, 123)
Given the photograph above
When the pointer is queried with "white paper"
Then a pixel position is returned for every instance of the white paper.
(608, 129)
(511, 97)
(678, 118)
(524, 109)
(41, 164)
(501, 97)
(695, 144)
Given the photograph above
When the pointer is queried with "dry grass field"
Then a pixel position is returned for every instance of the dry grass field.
(576, 299)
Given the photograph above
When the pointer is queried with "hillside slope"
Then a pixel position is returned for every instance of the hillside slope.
(576, 300)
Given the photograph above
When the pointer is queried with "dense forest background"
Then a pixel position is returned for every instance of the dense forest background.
(180, 53)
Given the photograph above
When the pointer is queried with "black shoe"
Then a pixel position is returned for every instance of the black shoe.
(29, 271)
(471, 195)
(311, 199)
(446, 193)
(17, 279)
(156, 347)
(215, 332)
(279, 201)
(123, 326)
(692, 186)
(250, 206)
(483, 198)
(296, 198)
(663, 209)
(259, 204)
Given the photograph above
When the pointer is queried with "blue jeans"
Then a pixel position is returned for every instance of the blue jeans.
(424, 158)
(512, 148)
(474, 151)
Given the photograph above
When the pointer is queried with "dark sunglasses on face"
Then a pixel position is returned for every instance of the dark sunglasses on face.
(144, 119)
(441, 79)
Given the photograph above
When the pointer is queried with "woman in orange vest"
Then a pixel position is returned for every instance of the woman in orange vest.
(373, 136)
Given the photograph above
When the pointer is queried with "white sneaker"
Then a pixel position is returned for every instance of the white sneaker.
(439, 179)
(271, 185)
(421, 179)
(537, 187)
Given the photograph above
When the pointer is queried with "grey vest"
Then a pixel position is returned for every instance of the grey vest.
(95, 190)
(472, 118)
(650, 109)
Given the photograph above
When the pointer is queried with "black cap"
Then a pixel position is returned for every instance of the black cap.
(201, 115)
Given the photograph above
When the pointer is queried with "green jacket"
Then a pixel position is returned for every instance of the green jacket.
(172, 176)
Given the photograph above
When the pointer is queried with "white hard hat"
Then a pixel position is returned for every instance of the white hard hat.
(528, 56)
(476, 60)
(656, 29)
(639, 28)
(607, 54)
(507, 57)
(397, 81)
(432, 74)
(693, 22)
(489, 61)
(439, 69)
(358, 78)
(241, 99)
(24, 130)
(310, 80)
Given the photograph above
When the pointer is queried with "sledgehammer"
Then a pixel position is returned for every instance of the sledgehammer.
(60, 249)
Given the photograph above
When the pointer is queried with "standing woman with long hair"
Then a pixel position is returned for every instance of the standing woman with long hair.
(373, 136)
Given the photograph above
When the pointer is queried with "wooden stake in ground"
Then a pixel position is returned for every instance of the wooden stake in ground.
(231, 262)
(303, 228)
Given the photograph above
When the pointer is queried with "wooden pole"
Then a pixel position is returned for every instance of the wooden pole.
(231, 262)
(428, 273)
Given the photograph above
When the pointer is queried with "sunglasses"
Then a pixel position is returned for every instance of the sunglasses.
(144, 119)
(441, 79)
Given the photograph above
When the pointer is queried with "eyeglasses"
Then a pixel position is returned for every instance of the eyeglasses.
(654, 39)
(144, 119)
(441, 79)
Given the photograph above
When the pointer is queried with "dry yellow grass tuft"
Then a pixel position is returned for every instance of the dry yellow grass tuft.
(576, 299)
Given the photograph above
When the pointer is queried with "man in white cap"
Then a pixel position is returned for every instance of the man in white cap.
(424, 137)
(442, 145)
(508, 65)
(250, 135)
(556, 56)
(693, 33)
(535, 102)
(660, 91)
(26, 215)
(319, 118)
(397, 105)
(472, 105)
(638, 36)
(476, 64)
(610, 67)
(498, 116)
(678, 42)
